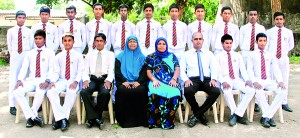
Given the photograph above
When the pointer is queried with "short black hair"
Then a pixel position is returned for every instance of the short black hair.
(226, 8)
(98, 4)
(261, 35)
(226, 37)
(149, 5)
(71, 7)
(278, 14)
(102, 35)
(20, 12)
(41, 33)
(44, 9)
(123, 6)
(201, 6)
(68, 34)
(252, 9)
(173, 6)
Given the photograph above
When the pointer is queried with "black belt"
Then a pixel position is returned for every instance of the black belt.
(198, 77)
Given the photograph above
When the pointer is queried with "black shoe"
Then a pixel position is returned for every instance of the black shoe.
(233, 120)
(29, 123)
(265, 122)
(13, 110)
(192, 121)
(286, 108)
(64, 124)
(99, 123)
(256, 108)
(40, 109)
(90, 123)
(243, 120)
(203, 120)
(38, 121)
(56, 125)
(272, 122)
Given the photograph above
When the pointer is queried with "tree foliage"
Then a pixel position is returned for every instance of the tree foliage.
(7, 5)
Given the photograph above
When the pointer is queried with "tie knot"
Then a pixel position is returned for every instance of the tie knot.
(226, 24)
(253, 24)
(200, 23)
(68, 52)
(198, 51)
(20, 29)
(228, 53)
(261, 51)
(148, 21)
(97, 21)
(39, 50)
(174, 23)
(279, 30)
(44, 24)
(71, 21)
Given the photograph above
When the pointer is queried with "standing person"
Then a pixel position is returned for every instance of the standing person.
(200, 26)
(281, 41)
(98, 25)
(175, 32)
(19, 42)
(132, 90)
(39, 63)
(76, 28)
(164, 89)
(98, 76)
(68, 69)
(224, 27)
(121, 30)
(199, 77)
(232, 67)
(261, 65)
(148, 30)
(51, 41)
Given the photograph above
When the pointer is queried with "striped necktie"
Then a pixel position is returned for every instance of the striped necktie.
(20, 40)
(71, 26)
(263, 66)
(123, 36)
(252, 38)
(231, 73)
(44, 29)
(147, 43)
(278, 53)
(37, 64)
(67, 74)
(174, 42)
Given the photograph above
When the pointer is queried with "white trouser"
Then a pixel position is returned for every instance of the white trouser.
(16, 61)
(238, 84)
(284, 65)
(268, 111)
(28, 86)
(62, 111)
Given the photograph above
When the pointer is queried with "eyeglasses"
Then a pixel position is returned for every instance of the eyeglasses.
(198, 39)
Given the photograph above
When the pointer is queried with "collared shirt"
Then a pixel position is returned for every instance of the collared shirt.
(76, 66)
(108, 64)
(12, 39)
(29, 64)
(116, 34)
(287, 40)
(78, 32)
(189, 64)
(238, 66)
(254, 66)
(52, 41)
(155, 32)
(218, 32)
(245, 35)
(104, 27)
(206, 30)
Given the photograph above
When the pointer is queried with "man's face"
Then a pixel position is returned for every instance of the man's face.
(123, 12)
(200, 14)
(279, 21)
(21, 20)
(71, 14)
(148, 12)
(39, 41)
(197, 41)
(261, 43)
(98, 11)
(99, 43)
(68, 42)
(253, 16)
(227, 45)
(174, 13)
(226, 15)
(44, 17)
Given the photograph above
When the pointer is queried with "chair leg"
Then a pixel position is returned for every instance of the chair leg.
(215, 113)
(180, 113)
(222, 108)
(44, 108)
(83, 113)
(50, 115)
(111, 112)
(78, 111)
(252, 105)
(17, 113)
(280, 114)
(187, 110)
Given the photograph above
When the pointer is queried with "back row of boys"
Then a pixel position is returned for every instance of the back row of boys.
(177, 33)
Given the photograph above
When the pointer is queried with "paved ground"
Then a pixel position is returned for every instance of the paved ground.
(290, 127)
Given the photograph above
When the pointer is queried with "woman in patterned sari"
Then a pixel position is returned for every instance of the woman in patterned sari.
(164, 90)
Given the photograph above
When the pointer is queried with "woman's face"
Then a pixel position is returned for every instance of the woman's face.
(132, 44)
(161, 46)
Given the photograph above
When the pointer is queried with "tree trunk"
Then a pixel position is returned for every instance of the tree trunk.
(276, 6)
(182, 4)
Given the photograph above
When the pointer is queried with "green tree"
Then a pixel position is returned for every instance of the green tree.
(7, 5)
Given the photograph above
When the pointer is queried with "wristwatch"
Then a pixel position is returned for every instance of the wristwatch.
(48, 81)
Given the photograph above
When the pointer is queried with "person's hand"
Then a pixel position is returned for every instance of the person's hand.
(126, 84)
(188, 83)
(155, 83)
(213, 83)
(44, 85)
(135, 84)
(248, 83)
(73, 85)
(19, 83)
(85, 84)
(257, 86)
(281, 85)
(51, 85)
(173, 83)
(107, 85)
(226, 86)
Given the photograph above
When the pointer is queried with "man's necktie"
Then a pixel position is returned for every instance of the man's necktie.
(67, 74)
(44, 29)
(98, 65)
(252, 38)
(174, 34)
(123, 36)
(231, 73)
(71, 26)
(97, 26)
(278, 53)
(37, 64)
(226, 29)
(199, 27)
(263, 66)
(200, 65)
(20, 40)
(147, 43)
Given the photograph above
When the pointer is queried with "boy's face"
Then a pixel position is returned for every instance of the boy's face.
(174, 13)
(20, 20)
(44, 17)
(279, 21)
(261, 43)
(39, 41)
(148, 12)
(200, 13)
(71, 13)
(123, 12)
(227, 45)
(98, 11)
(253, 16)
(68, 42)
(226, 15)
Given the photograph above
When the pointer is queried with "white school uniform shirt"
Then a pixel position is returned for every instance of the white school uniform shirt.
(206, 31)
(287, 40)
(52, 41)
(254, 67)
(245, 35)
(104, 27)
(181, 33)
(108, 64)
(218, 32)
(76, 66)
(12, 39)
(79, 34)
(189, 64)
(29, 64)
(155, 32)
(238, 66)
(116, 34)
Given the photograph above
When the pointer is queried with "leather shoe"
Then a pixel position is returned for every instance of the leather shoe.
(287, 108)
(90, 123)
(233, 120)
(243, 120)
(203, 120)
(13, 110)
(56, 125)
(192, 121)
(38, 121)
(29, 123)
(99, 123)
(265, 122)
(64, 125)
(272, 122)
(256, 108)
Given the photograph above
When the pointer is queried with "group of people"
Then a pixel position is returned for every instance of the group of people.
(149, 68)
